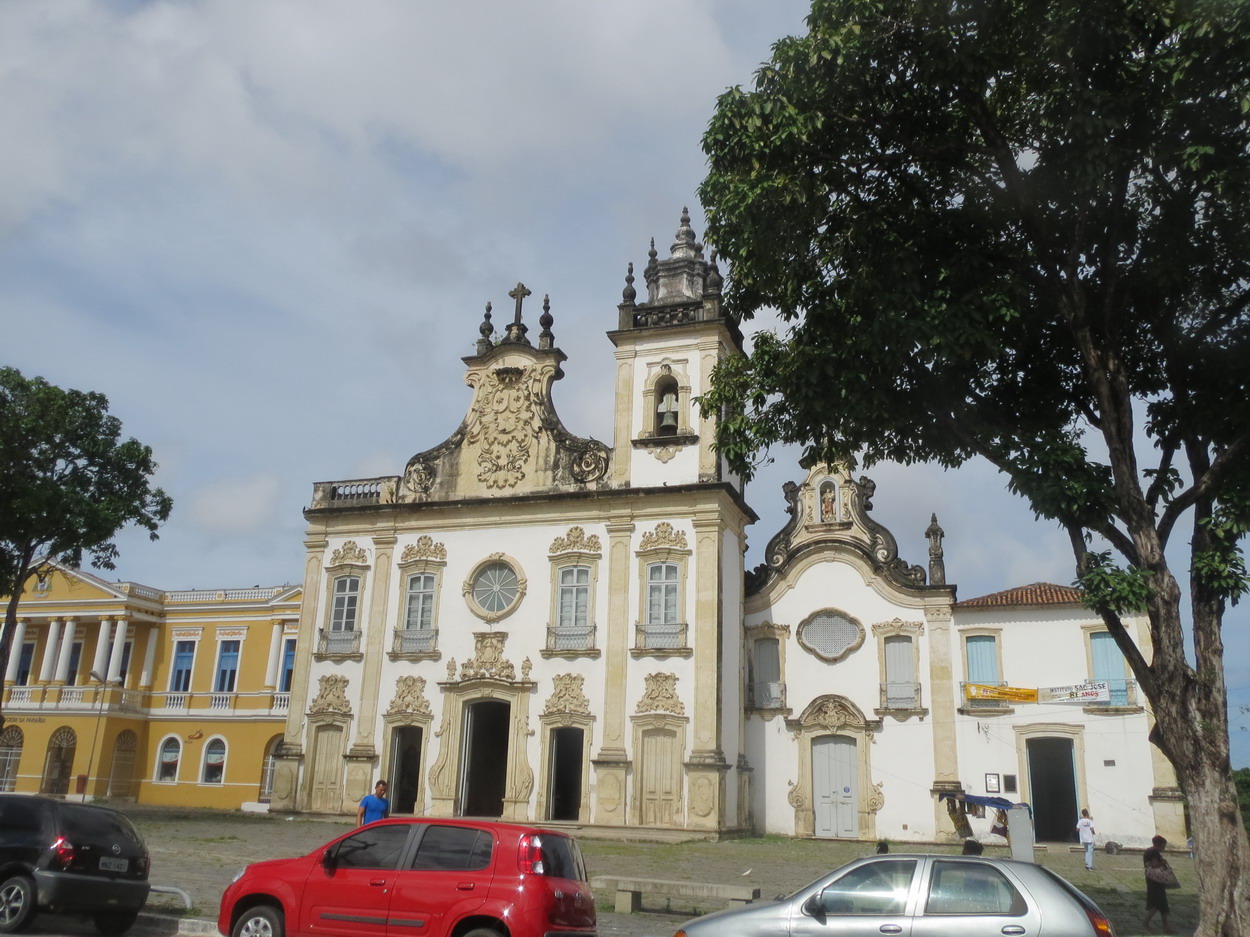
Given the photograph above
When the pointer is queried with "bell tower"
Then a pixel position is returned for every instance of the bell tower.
(666, 348)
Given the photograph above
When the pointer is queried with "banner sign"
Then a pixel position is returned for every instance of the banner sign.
(1010, 693)
(1081, 693)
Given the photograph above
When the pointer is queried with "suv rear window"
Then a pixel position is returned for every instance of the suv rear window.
(562, 858)
(95, 824)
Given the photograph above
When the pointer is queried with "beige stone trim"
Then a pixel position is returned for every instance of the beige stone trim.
(658, 792)
(834, 715)
(806, 623)
(658, 372)
(752, 634)
(1037, 730)
(425, 557)
(522, 584)
(445, 774)
(616, 663)
(567, 707)
(374, 638)
(409, 707)
(575, 549)
(913, 631)
(666, 545)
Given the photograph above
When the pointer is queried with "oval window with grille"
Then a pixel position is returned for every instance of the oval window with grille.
(830, 635)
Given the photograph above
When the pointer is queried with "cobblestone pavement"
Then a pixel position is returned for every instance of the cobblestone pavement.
(200, 851)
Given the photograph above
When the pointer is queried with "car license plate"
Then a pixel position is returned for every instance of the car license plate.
(109, 864)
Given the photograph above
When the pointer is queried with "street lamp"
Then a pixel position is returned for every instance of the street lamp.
(99, 714)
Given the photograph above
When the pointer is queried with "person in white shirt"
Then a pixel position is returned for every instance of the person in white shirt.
(1085, 832)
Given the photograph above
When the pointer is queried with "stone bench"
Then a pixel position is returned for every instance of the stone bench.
(629, 891)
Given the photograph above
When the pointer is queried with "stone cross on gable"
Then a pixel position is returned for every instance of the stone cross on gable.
(519, 295)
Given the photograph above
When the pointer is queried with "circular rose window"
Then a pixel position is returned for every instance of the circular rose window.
(494, 589)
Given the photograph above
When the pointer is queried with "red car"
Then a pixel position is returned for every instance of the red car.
(431, 878)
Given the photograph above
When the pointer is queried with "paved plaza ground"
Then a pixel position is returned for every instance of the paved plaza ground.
(199, 851)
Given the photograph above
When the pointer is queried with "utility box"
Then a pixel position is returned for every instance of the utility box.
(1020, 828)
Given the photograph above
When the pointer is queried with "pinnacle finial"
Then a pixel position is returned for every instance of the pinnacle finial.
(485, 330)
(629, 294)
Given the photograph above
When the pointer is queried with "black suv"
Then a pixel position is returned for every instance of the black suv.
(69, 859)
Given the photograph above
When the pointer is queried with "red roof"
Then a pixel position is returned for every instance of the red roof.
(1037, 593)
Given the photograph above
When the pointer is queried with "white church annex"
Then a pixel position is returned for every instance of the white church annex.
(533, 625)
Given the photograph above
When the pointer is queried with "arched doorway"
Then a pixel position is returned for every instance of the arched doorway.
(266, 770)
(484, 763)
(564, 797)
(58, 765)
(405, 771)
(122, 766)
(835, 787)
(1052, 787)
(325, 786)
(11, 741)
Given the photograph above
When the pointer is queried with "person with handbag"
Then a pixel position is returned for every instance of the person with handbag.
(1159, 878)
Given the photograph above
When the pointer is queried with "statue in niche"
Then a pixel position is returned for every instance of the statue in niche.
(828, 504)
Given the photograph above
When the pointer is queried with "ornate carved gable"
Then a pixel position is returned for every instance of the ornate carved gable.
(575, 541)
(424, 549)
(511, 440)
(409, 697)
(664, 536)
(349, 554)
(331, 695)
(830, 509)
(661, 695)
(488, 660)
(567, 696)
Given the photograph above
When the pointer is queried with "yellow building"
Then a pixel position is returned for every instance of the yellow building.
(117, 690)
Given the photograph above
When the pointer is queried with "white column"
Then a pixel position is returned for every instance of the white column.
(51, 648)
(119, 648)
(15, 651)
(67, 647)
(100, 661)
(149, 660)
(275, 655)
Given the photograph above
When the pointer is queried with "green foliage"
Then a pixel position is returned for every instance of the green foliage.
(1242, 778)
(1012, 230)
(1108, 589)
(68, 481)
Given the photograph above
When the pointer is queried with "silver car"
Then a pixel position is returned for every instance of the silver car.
(919, 896)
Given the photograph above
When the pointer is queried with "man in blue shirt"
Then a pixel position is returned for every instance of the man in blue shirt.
(373, 806)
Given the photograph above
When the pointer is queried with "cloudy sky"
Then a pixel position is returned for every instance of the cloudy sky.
(267, 232)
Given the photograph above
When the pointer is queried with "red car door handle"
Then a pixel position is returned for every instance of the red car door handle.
(378, 881)
(464, 886)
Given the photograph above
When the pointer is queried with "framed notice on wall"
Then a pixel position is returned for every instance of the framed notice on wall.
(991, 784)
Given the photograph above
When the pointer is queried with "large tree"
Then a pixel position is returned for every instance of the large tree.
(68, 484)
(1020, 231)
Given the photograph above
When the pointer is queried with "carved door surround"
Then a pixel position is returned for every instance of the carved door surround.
(408, 707)
(834, 715)
(660, 724)
(567, 706)
(487, 676)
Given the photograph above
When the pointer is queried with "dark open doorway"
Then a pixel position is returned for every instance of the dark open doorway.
(565, 797)
(1052, 781)
(485, 767)
(405, 768)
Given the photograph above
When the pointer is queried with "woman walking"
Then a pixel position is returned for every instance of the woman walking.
(1157, 873)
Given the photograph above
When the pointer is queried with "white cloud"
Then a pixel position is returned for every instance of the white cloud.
(238, 506)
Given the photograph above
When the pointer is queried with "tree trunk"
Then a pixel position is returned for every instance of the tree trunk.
(1190, 708)
(1221, 849)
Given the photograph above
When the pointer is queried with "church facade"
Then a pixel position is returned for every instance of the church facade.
(529, 624)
